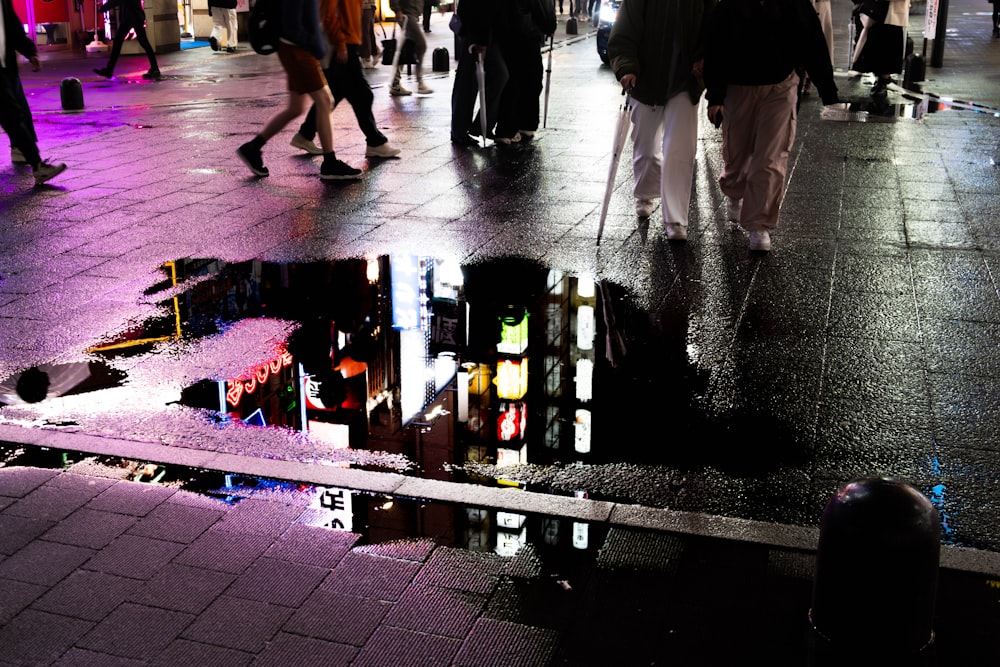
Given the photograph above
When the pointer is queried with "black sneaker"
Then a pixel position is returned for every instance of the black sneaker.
(104, 71)
(252, 158)
(214, 43)
(46, 170)
(152, 74)
(335, 170)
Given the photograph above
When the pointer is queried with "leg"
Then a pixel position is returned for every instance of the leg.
(739, 121)
(463, 94)
(116, 50)
(296, 105)
(140, 35)
(768, 167)
(414, 33)
(217, 27)
(348, 83)
(367, 32)
(12, 119)
(322, 99)
(680, 145)
(232, 38)
(647, 142)
(427, 15)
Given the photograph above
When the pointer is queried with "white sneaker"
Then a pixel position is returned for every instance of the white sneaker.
(760, 239)
(397, 90)
(309, 146)
(423, 89)
(676, 231)
(644, 207)
(733, 207)
(385, 150)
(16, 156)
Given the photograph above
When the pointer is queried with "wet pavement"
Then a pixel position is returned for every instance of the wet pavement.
(613, 449)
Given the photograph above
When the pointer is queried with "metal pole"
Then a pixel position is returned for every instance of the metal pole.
(937, 49)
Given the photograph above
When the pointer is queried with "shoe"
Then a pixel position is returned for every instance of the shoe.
(881, 86)
(45, 171)
(335, 170)
(422, 89)
(230, 49)
(252, 158)
(308, 145)
(368, 63)
(397, 90)
(16, 156)
(853, 74)
(677, 232)
(644, 207)
(214, 43)
(733, 207)
(383, 150)
(509, 140)
(104, 71)
(760, 239)
(464, 141)
(152, 74)
(527, 134)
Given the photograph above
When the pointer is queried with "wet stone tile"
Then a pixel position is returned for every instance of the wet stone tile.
(90, 528)
(395, 646)
(136, 631)
(437, 611)
(184, 652)
(87, 595)
(287, 649)
(336, 617)
(183, 588)
(134, 556)
(39, 638)
(43, 562)
(232, 623)
(371, 576)
(277, 582)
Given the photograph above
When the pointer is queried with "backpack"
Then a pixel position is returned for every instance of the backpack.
(265, 26)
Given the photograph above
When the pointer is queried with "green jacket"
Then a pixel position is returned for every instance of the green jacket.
(658, 41)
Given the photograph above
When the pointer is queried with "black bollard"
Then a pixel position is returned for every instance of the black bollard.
(875, 583)
(71, 94)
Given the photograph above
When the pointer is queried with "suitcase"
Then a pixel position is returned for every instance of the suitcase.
(571, 26)
(440, 60)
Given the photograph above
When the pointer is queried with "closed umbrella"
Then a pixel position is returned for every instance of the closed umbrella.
(621, 131)
(481, 78)
(548, 79)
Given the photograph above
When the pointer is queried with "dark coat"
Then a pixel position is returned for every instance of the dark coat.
(222, 4)
(130, 13)
(17, 41)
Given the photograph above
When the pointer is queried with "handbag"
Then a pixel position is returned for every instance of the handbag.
(389, 47)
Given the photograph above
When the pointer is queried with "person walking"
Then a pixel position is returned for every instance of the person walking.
(478, 19)
(752, 50)
(13, 105)
(223, 19)
(656, 49)
(300, 49)
(525, 26)
(882, 40)
(346, 80)
(369, 44)
(131, 16)
(996, 17)
(408, 13)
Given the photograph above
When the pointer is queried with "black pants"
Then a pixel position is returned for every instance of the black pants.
(465, 90)
(427, 15)
(140, 36)
(519, 103)
(13, 110)
(348, 82)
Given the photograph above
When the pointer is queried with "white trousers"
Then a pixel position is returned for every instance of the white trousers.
(224, 19)
(664, 145)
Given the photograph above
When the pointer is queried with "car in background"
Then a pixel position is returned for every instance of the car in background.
(609, 12)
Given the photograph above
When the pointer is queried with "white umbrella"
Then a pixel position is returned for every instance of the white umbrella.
(616, 153)
(481, 77)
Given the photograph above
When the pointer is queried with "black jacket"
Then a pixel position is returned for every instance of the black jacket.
(478, 20)
(223, 4)
(130, 13)
(17, 41)
(761, 42)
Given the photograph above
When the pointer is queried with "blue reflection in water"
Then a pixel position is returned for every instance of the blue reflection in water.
(938, 500)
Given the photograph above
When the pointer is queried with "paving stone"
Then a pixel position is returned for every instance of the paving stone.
(312, 545)
(337, 617)
(176, 522)
(18, 482)
(371, 576)
(78, 657)
(50, 503)
(183, 588)
(131, 498)
(15, 596)
(438, 611)
(87, 595)
(277, 582)
(90, 528)
(396, 646)
(87, 483)
(136, 631)
(18, 531)
(286, 649)
(495, 643)
(39, 638)
(42, 562)
(413, 549)
(185, 652)
(225, 552)
(259, 517)
(238, 624)
(134, 556)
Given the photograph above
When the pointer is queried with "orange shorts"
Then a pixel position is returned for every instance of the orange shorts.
(305, 75)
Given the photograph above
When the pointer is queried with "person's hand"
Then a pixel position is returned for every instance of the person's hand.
(36, 64)
(627, 81)
(477, 48)
(341, 56)
(715, 114)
